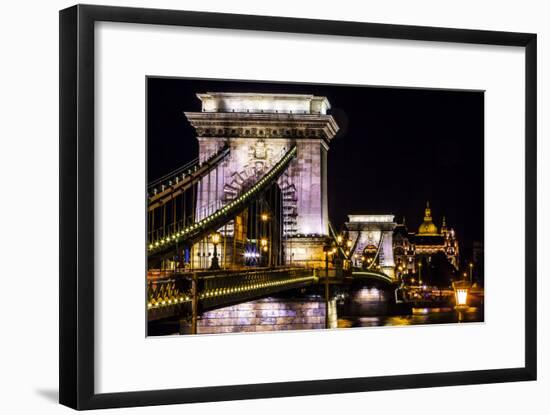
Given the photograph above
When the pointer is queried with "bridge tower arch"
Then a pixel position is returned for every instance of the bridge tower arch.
(374, 230)
(259, 129)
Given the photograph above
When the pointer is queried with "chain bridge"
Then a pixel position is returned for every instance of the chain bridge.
(248, 218)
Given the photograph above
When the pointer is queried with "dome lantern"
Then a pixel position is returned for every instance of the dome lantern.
(428, 227)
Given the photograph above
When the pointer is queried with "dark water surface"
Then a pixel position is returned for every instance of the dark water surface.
(421, 316)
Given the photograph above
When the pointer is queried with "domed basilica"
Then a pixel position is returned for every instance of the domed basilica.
(410, 247)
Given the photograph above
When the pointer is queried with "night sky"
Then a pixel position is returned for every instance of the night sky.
(396, 147)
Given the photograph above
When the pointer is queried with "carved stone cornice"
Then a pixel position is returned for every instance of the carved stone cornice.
(263, 125)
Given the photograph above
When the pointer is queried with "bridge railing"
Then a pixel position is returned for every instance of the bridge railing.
(174, 295)
(181, 173)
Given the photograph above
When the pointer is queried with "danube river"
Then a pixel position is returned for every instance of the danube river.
(363, 307)
(435, 315)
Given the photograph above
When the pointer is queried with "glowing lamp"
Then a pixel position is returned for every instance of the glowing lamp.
(216, 238)
(461, 289)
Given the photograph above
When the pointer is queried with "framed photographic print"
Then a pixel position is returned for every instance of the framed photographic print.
(243, 196)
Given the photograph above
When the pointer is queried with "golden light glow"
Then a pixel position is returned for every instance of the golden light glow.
(348, 243)
(428, 227)
(264, 217)
(461, 296)
(263, 242)
(339, 239)
(216, 238)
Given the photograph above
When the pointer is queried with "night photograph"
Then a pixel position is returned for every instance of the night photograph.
(281, 206)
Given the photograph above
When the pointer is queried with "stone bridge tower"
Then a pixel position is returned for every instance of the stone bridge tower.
(259, 129)
(374, 231)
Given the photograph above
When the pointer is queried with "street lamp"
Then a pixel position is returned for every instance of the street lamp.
(264, 248)
(400, 273)
(471, 270)
(461, 289)
(328, 251)
(215, 240)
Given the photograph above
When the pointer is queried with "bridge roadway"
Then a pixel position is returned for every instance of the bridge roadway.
(178, 294)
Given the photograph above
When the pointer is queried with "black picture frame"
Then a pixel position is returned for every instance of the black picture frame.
(76, 279)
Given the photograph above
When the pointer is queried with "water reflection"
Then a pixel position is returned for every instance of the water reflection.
(428, 316)
(357, 307)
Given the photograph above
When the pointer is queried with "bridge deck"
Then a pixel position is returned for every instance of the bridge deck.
(168, 297)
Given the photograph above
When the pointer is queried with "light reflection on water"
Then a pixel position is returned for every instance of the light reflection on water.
(440, 317)
(365, 307)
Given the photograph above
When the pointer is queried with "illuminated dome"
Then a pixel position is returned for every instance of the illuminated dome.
(428, 227)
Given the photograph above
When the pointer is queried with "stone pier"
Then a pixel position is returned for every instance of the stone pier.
(259, 129)
(269, 314)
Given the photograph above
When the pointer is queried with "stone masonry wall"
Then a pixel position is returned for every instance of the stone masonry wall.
(264, 315)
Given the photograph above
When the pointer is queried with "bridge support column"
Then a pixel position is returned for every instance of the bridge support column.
(194, 304)
(259, 128)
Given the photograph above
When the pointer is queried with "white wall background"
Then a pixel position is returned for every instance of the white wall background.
(29, 207)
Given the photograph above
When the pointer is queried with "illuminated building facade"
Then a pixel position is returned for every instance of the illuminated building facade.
(410, 247)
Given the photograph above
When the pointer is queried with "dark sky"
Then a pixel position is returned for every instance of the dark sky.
(396, 147)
